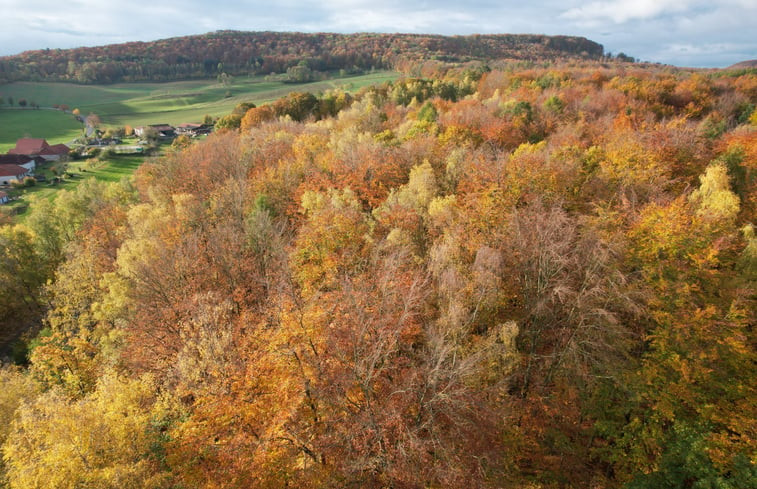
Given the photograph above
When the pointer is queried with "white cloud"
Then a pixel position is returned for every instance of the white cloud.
(620, 11)
(396, 20)
(654, 30)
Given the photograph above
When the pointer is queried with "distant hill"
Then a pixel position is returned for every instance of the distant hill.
(235, 53)
(752, 63)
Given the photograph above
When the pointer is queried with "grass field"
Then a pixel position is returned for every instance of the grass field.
(111, 169)
(135, 104)
(53, 125)
(138, 104)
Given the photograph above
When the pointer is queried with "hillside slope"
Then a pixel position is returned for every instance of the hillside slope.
(235, 52)
(542, 278)
(752, 63)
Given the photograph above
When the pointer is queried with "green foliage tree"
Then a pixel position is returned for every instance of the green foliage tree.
(427, 113)
(150, 134)
(225, 79)
(691, 417)
(242, 108)
(24, 269)
(300, 73)
(230, 121)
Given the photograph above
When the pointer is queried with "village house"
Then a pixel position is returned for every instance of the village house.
(8, 173)
(187, 128)
(164, 131)
(22, 160)
(34, 147)
(191, 129)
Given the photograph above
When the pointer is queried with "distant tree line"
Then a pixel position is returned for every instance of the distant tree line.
(237, 53)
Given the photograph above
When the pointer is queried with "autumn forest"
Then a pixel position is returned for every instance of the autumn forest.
(505, 275)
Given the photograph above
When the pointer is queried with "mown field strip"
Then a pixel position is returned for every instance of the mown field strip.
(137, 104)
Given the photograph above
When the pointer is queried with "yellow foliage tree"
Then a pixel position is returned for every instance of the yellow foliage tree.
(332, 241)
(714, 197)
(100, 441)
(15, 388)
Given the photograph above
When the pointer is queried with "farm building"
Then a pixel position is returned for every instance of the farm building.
(33, 147)
(21, 160)
(164, 131)
(8, 173)
(193, 129)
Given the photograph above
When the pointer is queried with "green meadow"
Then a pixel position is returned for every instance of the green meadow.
(133, 104)
(53, 125)
(110, 169)
(137, 104)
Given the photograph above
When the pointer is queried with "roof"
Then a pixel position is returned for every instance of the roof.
(162, 127)
(11, 159)
(12, 170)
(29, 146)
(189, 125)
(57, 149)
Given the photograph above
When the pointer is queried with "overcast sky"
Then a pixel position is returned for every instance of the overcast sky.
(697, 33)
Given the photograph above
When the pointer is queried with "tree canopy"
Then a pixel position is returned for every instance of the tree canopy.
(532, 276)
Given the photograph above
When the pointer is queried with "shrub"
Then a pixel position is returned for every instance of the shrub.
(231, 121)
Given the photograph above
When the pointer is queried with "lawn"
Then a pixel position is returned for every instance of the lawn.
(111, 169)
(138, 104)
(53, 125)
(135, 104)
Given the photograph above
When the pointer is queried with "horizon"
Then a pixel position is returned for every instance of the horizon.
(606, 51)
(685, 33)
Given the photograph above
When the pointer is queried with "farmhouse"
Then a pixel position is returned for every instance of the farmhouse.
(33, 147)
(22, 160)
(164, 131)
(188, 128)
(191, 129)
(8, 173)
(3, 197)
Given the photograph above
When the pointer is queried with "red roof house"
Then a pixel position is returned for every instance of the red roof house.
(29, 146)
(60, 149)
(21, 160)
(39, 147)
(9, 173)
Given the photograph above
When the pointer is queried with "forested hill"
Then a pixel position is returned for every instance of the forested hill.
(538, 277)
(236, 52)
